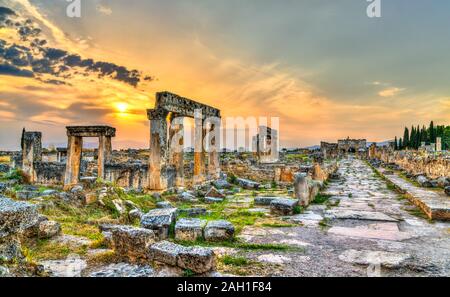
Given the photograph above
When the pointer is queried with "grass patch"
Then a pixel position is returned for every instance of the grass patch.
(44, 249)
(242, 245)
(5, 159)
(235, 261)
(321, 199)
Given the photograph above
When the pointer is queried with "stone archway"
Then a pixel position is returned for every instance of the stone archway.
(75, 136)
(166, 151)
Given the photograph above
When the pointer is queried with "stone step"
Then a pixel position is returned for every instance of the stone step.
(435, 205)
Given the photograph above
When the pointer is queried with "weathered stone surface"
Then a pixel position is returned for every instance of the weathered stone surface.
(163, 204)
(341, 213)
(73, 266)
(283, 206)
(214, 193)
(447, 191)
(26, 195)
(264, 200)
(192, 212)
(186, 196)
(124, 270)
(219, 230)
(132, 242)
(165, 252)
(197, 259)
(119, 205)
(16, 216)
(159, 220)
(301, 188)
(423, 181)
(48, 229)
(189, 229)
(222, 184)
(213, 200)
(247, 184)
(383, 258)
(10, 250)
(33, 230)
(135, 214)
(49, 192)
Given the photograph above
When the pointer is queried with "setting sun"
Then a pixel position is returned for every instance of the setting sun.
(122, 107)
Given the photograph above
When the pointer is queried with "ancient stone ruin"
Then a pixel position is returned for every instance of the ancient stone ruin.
(75, 145)
(266, 145)
(166, 152)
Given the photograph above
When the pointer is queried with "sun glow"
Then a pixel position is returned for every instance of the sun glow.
(122, 107)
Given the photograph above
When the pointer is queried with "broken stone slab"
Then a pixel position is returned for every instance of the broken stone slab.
(159, 220)
(132, 242)
(196, 259)
(264, 200)
(193, 212)
(214, 193)
(247, 184)
(163, 204)
(189, 229)
(186, 196)
(213, 200)
(10, 250)
(49, 192)
(423, 181)
(73, 266)
(222, 184)
(16, 216)
(342, 213)
(307, 218)
(258, 210)
(371, 233)
(219, 230)
(48, 229)
(283, 206)
(135, 214)
(26, 195)
(123, 270)
(88, 182)
(383, 258)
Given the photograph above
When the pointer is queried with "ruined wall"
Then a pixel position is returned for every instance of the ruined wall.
(433, 165)
(49, 173)
(127, 175)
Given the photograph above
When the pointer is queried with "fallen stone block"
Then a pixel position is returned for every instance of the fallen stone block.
(222, 184)
(214, 193)
(163, 204)
(197, 259)
(132, 242)
(186, 196)
(213, 200)
(135, 214)
(189, 229)
(447, 191)
(16, 216)
(49, 192)
(192, 212)
(247, 184)
(159, 220)
(264, 200)
(219, 230)
(48, 229)
(284, 207)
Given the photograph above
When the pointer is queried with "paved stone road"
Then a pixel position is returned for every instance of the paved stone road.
(371, 231)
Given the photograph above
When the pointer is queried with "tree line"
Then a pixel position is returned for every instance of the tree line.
(414, 137)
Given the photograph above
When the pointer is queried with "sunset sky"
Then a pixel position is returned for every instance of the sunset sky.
(322, 66)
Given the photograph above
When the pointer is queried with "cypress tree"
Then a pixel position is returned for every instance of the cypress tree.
(406, 138)
(432, 133)
(400, 144)
(395, 144)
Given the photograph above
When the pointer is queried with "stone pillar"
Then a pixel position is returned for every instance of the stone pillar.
(301, 188)
(101, 156)
(108, 149)
(438, 144)
(213, 146)
(31, 152)
(74, 150)
(176, 149)
(157, 175)
(199, 155)
(274, 151)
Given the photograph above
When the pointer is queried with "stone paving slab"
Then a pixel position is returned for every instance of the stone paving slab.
(434, 204)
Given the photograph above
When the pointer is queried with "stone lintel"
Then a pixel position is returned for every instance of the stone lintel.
(91, 131)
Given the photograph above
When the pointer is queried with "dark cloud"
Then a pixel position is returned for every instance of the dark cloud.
(8, 69)
(54, 61)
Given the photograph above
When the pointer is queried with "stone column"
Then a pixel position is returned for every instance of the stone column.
(108, 149)
(74, 150)
(157, 175)
(301, 188)
(101, 156)
(199, 156)
(213, 141)
(438, 144)
(31, 152)
(176, 149)
(275, 153)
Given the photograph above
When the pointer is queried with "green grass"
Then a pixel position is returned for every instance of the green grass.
(242, 245)
(321, 199)
(235, 261)
(298, 209)
(44, 249)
